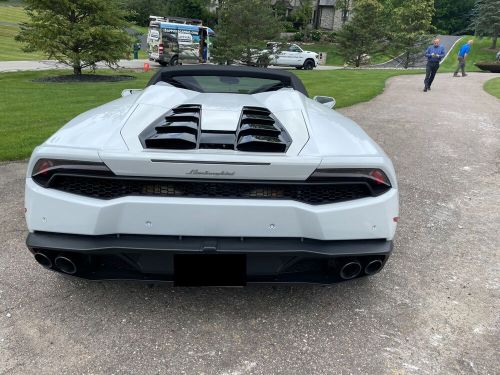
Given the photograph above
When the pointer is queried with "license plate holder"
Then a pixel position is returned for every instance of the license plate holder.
(210, 269)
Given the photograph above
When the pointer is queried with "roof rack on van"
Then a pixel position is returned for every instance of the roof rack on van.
(180, 20)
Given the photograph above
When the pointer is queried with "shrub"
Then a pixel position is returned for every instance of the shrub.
(316, 35)
(330, 37)
(289, 28)
(299, 36)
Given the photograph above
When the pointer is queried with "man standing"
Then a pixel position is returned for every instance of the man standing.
(462, 56)
(434, 54)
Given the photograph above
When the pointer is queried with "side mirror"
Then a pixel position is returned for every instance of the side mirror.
(326, 100)
(128, 92)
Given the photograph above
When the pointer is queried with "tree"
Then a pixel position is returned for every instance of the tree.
(486, 19)
(244, 26)
(78, 33)
(410, 25)
(452, 16)
(345, 8)
(301, 15)
(188, 8)
(140, 10)
(364, 34)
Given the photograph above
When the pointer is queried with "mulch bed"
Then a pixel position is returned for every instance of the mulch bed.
(84, 78)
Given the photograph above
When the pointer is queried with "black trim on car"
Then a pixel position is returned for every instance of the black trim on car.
(96, 180)
(154, 258)
(112, 187)
(258, 130)
(287, 78)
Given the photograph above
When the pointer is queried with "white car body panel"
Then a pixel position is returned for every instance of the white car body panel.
(364, 218)
(321, 138)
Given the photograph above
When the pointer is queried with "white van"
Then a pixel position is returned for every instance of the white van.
(172, 41)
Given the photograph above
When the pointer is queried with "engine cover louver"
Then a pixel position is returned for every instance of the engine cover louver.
(179, 130)
(258, 131)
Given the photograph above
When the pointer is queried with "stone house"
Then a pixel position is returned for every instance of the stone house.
(327, 14)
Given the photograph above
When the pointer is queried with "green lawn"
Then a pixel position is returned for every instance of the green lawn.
(11, 14)
(140, 29)
(333, 57)
(493, 87)
(480, 52)
(348, 87)
(31, 112)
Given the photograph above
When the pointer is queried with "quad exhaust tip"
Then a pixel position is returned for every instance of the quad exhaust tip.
(43, 260)
(350, 270)
(373, 267)
(66, 265)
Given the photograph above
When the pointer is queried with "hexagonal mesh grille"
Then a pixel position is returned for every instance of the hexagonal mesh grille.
(109, 188)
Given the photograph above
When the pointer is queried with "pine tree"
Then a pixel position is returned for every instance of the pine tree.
(78, 33)
(244, 25)
(487, 19)
(364, 33)
(452, 16)
(410, 25)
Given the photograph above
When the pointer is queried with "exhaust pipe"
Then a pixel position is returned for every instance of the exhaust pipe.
(66, 265)
(373, 267)
(43, 260)
(350, 270)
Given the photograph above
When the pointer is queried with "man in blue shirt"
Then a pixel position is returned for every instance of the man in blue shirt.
(462, 56)
(434, 54)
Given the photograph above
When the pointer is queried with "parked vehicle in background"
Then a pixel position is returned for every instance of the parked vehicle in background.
(174, 40)
(291, 55)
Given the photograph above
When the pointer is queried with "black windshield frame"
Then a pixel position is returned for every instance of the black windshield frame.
(287, 78)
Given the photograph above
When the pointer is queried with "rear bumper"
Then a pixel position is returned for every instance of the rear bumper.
(50, 210)
(261, 260)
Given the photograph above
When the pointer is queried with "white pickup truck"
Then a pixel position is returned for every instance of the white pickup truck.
(291, 55)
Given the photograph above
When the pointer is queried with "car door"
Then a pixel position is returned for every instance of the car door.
(295, 55)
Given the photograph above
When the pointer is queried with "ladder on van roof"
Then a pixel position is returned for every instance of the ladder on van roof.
(179, 20)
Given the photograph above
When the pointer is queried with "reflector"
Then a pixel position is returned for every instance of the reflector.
(379, 176)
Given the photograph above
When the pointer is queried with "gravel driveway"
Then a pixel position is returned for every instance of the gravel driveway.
(434, 309)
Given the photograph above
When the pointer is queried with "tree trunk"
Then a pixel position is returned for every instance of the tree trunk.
(248, 57)
(77, 70)
(407, 60)
(494, 42)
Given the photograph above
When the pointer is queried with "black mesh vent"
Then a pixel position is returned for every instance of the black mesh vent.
(115, 187)
(258, 131)
(179, 131)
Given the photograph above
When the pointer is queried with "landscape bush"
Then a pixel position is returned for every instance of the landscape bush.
(316, 35)
(299, 36)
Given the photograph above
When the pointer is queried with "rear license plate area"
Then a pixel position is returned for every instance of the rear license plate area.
(210, 269)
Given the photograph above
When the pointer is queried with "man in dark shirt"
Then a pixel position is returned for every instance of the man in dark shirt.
(462, 56)
(434, 54)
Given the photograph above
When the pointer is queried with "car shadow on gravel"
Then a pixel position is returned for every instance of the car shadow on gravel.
(258, 300)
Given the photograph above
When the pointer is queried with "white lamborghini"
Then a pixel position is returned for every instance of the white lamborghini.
(212, 175)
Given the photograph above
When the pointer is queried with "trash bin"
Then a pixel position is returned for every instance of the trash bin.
(137, 47)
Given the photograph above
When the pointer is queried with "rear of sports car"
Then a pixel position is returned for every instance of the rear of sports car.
(212, 189)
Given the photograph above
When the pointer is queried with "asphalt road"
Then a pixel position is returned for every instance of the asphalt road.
(23, 66)
(434, 308)
(447, 41)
